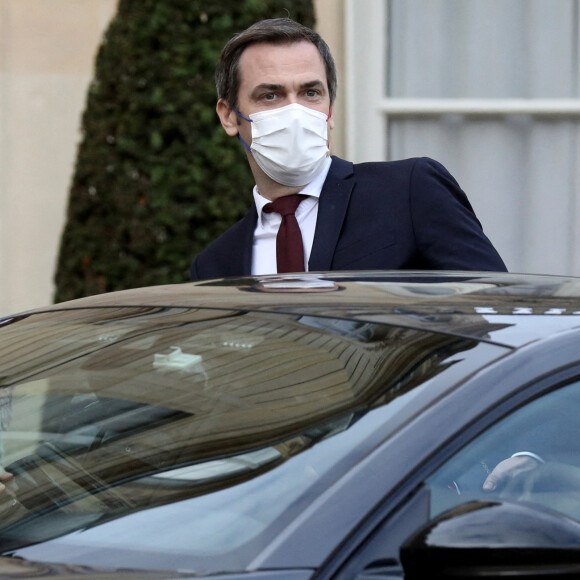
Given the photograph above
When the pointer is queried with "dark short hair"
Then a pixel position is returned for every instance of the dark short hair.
(274, 31)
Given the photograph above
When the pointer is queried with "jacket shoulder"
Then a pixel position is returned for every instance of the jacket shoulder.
(229, 254)
(401, 166)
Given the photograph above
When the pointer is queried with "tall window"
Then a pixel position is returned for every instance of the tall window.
(492, 90)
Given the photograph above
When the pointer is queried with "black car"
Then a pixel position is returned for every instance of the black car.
(317, 426)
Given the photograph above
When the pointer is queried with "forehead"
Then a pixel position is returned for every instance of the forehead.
(280, 63)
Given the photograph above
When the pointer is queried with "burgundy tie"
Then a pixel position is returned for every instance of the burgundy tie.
(289, 247)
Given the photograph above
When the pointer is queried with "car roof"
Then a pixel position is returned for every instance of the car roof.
(504, 308)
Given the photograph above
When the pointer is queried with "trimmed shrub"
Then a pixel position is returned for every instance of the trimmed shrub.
(156, 176)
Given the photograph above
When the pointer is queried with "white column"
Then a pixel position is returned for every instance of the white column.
(365, 79)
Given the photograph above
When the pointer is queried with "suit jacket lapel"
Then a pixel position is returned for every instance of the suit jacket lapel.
(332, 208)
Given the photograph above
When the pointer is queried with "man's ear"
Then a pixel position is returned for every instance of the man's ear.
(228, 117)
(330, 119)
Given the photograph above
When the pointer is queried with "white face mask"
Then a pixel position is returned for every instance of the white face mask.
(289, 144)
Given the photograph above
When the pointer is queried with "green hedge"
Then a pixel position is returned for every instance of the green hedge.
(156, 177)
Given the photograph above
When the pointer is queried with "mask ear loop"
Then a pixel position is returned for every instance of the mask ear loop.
(239, 136)
(329, 113)
(242, 116)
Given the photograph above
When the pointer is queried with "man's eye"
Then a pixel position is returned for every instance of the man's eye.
(311, 93)
(270, 96)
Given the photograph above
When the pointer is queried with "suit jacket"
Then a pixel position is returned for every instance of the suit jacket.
(408, 214)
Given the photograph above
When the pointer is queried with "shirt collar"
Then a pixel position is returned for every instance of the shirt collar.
(313, 189)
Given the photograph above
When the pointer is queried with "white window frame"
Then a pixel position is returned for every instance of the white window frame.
(368, 111)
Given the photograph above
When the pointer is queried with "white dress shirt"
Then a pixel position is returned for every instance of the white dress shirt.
(264, 248)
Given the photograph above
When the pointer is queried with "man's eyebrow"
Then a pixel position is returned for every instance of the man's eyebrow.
(267, 87)
(312, 84)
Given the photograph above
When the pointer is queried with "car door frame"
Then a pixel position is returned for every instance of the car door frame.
(331, 531)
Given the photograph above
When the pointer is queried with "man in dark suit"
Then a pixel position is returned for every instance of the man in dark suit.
(276, 85)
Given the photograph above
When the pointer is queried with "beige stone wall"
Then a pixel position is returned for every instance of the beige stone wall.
(47, 50)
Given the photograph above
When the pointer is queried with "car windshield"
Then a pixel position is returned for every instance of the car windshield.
(216, 427)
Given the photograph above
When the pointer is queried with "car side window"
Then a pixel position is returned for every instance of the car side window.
(541, 443)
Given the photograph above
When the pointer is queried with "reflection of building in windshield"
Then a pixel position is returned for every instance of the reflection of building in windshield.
(146, 406)
(250, 371)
